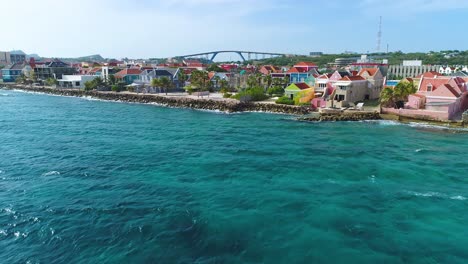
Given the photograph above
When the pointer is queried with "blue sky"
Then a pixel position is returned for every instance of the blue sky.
(157, 28)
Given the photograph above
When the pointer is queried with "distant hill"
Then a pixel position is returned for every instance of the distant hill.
(96, 58)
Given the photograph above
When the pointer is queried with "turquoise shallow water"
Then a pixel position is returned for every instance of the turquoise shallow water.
(85, 181)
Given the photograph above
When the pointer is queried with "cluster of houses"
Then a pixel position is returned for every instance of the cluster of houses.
(438, 97)
(440, 93)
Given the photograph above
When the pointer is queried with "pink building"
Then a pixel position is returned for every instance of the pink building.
(439, 97)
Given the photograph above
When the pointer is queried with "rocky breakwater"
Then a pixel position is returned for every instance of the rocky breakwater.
(342, 116)
(179, 102)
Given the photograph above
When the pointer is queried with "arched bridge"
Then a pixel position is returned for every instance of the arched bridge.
(211, 55)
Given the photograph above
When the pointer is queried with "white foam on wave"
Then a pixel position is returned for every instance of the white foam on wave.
(50, 173)
(437, 195)
(3, 232)
(436, 127)
(458, 197)
(9, 211)
(419, 150)
(386, 122)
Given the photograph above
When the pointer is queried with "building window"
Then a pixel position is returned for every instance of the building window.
(77, 83)
(343, 88)
(322, 85)
(429, 88)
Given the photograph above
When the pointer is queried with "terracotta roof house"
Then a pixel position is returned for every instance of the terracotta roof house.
(269, 69)
(375, 80)
(301, 71)
(294, 88)
(440, 97)
(128, 75)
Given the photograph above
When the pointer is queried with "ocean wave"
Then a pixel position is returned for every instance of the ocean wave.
(435, 127)
(3, 232)
(50, 173)
(437, 195)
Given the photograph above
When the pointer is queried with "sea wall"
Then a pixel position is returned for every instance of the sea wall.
(181, 102)
(342, 116)
(418, 114)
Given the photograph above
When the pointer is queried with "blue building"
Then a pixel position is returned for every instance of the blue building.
(12, 72)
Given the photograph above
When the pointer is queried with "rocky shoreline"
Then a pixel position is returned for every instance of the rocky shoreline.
(202, 104)
(341, 116)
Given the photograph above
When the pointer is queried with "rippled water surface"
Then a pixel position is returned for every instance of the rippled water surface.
(85, 181)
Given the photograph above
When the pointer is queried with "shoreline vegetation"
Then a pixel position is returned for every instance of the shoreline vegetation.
(227, 105)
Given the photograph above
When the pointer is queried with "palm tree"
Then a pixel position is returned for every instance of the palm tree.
(403, 89)
(155, 83)
(251, 81)
(387, 97)
(224, 84)
(217, 79)
(268, 80)
(286, 81)
(182, 77)
(165, 83)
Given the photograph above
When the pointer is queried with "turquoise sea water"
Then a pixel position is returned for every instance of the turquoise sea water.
(84, 181)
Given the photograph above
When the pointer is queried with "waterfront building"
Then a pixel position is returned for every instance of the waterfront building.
(301, 71)
(293, 89)
(11, 72)
(75, 81)
(52, 69)
(128, 75)
(438, 97)
(350, 89)
(375, 80)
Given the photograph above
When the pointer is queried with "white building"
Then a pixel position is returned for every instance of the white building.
(412, 63)
(75, 81)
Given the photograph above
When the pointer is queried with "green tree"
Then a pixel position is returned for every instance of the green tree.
(200, 80)
(217, 79)
(89, 85)
(165, 83)
(224, 85)
(182, 77)
(98, 82)
(51, 82)
(155, 83)
(387, 97)
(268, 80)
(286, 81)
(251, 81)
(402, 90)
(111, 80)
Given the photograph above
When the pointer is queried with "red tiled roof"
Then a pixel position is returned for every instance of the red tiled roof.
(302, 86)
(445, 90)
(435, 82)
(352, 78)
(370, 71)
(429, 74)
(305, 63)
(297, 70)
(125, 72)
